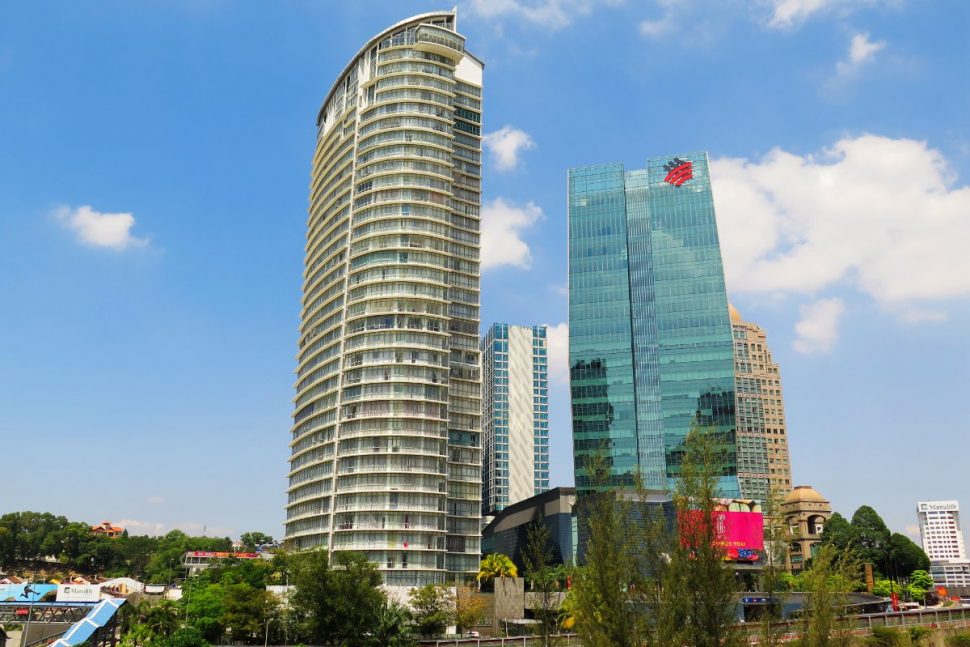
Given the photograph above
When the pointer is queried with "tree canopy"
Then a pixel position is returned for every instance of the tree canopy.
(496, 565)
(36, 536)
(870, 541)
(336, 601)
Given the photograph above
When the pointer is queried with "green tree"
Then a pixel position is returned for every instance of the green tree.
(433, 610)
(884, 587)
(253, 540)
(920, 583)
(184, 637)
(838, 532)
(393, 628)
(335, 602)
(601, 603)
(905, 556)
(644, 580)
(468, 610)
(774, 578)
(246, 610)
(204, 604)
(870, 539)
(922, 579)
(543, 577)
(700, 578)
(162, 617)
(496, 565)
(828, 583)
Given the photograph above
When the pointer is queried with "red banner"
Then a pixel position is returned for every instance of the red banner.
(220, 555)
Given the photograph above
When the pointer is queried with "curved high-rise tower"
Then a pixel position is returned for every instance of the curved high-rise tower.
(386, 448)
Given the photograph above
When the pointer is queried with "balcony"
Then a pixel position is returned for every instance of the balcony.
(429, 38)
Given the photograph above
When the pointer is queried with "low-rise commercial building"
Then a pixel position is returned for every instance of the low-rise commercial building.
(507, 532)
(196, 561)
(806, 513)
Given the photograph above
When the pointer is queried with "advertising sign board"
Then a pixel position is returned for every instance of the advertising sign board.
(24, 592)
(222, 555)
(78, 592)
(740, 534)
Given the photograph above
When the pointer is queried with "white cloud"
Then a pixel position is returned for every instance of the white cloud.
(789, 13)
(875, 215)
(138, 527)
(663, 25)
(921, 315)
(557, 342)
(97, 229)
(553, 14)
(656, 28)
(786, 13)
(155, 528)
(861, 51)
(505, 144)
(912, 531)
(502, 227)
(155, 499)
(818, 328)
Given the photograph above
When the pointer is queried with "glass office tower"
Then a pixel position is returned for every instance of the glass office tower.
(515, 415)
(386, 437)
(650, 342)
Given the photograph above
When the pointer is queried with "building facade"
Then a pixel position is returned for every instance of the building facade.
(940, 530)
(805, 512)
(650, 340)
(943, 542)
(515, 415)
(764, 464)
(508, 532)
(386, 437)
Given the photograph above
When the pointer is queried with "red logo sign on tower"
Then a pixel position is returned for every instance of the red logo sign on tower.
(678, 171)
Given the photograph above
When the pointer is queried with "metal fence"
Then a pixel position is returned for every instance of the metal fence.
(955, 618)
(563, 640)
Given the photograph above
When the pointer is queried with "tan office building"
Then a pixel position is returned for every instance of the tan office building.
(763, 459)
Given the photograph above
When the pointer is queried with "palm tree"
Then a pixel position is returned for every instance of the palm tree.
(393, 628)
(496, 565)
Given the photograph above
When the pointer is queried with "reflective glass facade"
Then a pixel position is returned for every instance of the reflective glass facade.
(650, 341)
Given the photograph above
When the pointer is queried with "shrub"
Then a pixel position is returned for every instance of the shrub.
(959, 640)
(918, 635)
(887, 637)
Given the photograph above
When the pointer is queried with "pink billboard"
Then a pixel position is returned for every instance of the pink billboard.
(741, 534)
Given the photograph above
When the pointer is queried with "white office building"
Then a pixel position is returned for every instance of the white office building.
(515, 422)
(386, 438)
(943, 543)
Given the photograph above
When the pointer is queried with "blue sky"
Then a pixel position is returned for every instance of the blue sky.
(154, 164)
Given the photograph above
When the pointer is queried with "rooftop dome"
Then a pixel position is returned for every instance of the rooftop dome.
(735, 315)
(804, 493)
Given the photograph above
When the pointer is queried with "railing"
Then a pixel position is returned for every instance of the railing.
(860, 625)
(566, 640)
(863, 625)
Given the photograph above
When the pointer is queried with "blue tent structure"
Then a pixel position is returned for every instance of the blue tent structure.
(100, 617)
